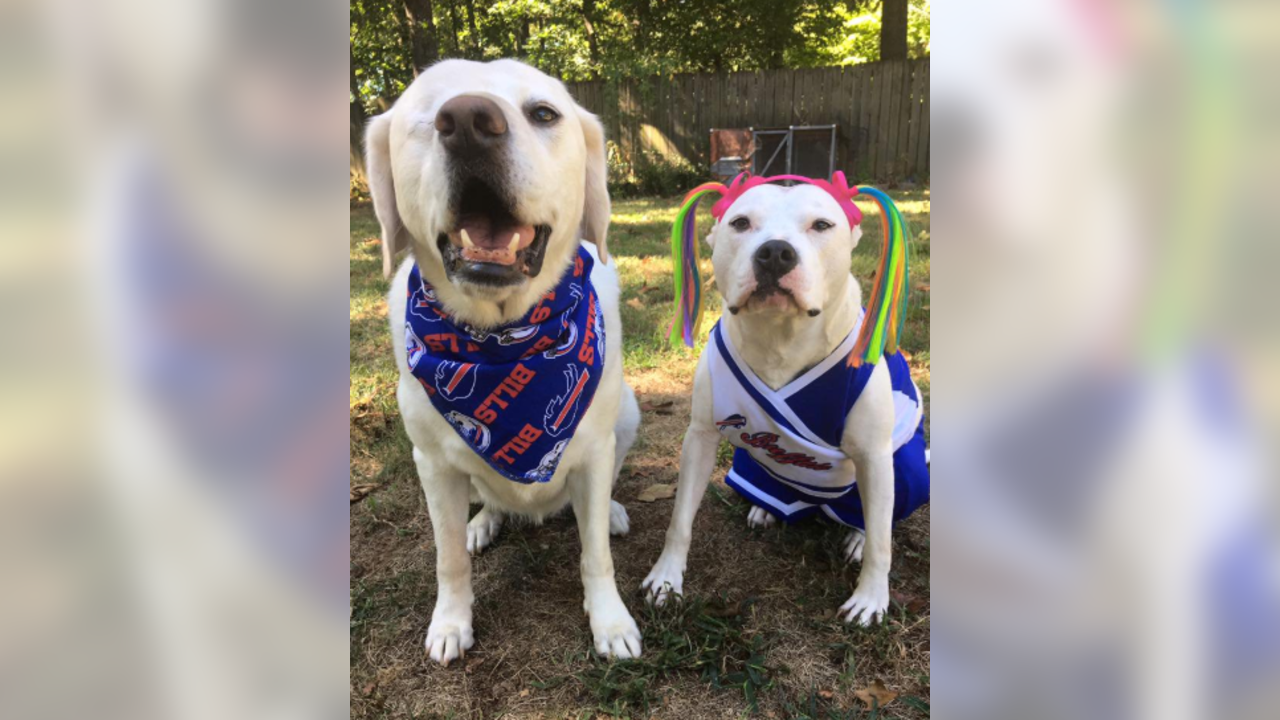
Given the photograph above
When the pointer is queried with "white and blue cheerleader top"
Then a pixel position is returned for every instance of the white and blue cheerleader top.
(788, 458)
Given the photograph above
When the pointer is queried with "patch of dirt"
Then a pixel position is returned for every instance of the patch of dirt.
(532, 638)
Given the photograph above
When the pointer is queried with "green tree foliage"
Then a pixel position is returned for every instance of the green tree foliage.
(585, 39)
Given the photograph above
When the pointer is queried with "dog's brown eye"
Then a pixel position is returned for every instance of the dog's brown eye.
(740, 224)
(544, 115)
(822, 225)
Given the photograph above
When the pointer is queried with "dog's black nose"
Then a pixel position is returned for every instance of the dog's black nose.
(954, 137)
(471, 124)
(774, 259)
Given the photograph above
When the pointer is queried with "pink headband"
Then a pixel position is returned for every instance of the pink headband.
(838, 188)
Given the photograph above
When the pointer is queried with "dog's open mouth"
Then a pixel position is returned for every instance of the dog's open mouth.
(489, 245)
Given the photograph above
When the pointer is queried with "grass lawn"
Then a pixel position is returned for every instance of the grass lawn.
(756, 633)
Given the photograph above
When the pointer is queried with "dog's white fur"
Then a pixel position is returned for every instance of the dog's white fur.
(779, 343)
(558, 178)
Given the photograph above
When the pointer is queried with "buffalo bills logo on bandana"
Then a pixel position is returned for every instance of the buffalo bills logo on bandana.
(547, 467)
(470, 429)
(562, 411)
(413, 346)
(568, 339)
(455, 380)
(515, 393)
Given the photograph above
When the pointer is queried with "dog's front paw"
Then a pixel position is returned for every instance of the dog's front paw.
(619, 523)
(613, 630)
(449, 636)
(868, 603)
(482, 529)
(665, 579)
(760, 518)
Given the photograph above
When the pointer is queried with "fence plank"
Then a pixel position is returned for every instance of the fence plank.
(913, 120)
(922, 159)
(907, 147)
(858, 142)
(884, 89)
(873, 119)
(905, 160)
(895, 118)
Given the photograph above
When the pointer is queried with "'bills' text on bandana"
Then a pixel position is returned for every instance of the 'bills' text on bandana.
(515, 393)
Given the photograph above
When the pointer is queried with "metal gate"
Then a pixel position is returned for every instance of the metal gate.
(808, 150)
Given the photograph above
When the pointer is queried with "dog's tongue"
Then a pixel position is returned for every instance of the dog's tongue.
(481, 241)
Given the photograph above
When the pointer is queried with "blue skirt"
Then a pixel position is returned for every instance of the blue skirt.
(789, 503)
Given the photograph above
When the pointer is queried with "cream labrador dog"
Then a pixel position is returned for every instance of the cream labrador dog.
(492, 175)
(774, 381)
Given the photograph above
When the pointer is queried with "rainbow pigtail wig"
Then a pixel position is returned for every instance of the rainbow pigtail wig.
(685, 256)
(887, 306)
(886, 309)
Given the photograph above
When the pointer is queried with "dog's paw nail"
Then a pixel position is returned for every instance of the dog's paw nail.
(449, 640)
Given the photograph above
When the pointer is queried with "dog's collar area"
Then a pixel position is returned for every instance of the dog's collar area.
(482, 380)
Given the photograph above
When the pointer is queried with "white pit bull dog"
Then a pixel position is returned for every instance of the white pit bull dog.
(506, 327)
(775, 381)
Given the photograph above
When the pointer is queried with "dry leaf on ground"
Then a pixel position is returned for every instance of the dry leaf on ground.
(875, 693)
(359, 491)
(657, 491)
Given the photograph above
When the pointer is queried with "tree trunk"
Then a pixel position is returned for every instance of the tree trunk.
(453, 29)
(358, 121)
(893, 30)
(589, 28)
(423, 49)
(477, 53)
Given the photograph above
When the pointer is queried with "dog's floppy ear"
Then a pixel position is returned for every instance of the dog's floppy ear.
(377, 154)
(595, 204)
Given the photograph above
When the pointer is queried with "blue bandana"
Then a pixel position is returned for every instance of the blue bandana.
(483, 380)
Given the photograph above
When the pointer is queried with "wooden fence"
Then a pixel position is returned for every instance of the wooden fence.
(881, 110)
